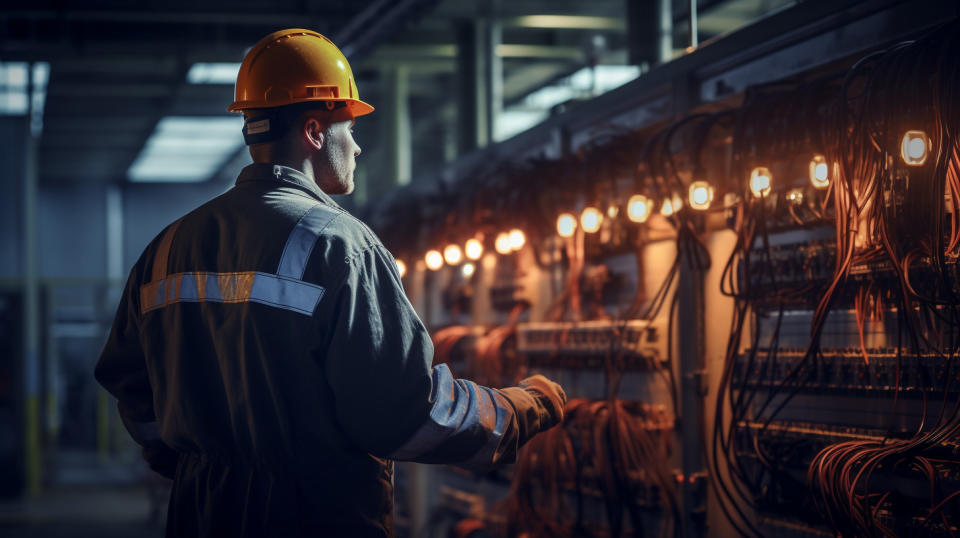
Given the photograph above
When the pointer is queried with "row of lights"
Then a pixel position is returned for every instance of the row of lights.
(700, 197)
(505, 243)
(913, 150)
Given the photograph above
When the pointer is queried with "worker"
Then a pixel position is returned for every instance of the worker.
(264, 353)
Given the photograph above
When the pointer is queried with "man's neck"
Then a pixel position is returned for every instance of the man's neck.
(304, 166)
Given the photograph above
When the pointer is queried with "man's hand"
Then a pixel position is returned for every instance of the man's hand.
(539, 405)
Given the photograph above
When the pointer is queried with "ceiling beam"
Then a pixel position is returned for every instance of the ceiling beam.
(412, 53)
(567, 22)
(270, 17)
(93, 89)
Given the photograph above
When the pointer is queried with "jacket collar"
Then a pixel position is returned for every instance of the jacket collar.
(285, 176)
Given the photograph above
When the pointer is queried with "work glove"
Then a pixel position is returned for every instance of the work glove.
(538, 403)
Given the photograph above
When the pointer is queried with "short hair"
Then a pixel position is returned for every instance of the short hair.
(262, 125)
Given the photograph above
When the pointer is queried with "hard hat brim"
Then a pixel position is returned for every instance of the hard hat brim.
(355, 107)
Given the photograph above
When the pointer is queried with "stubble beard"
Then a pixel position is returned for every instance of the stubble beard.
(338, 172)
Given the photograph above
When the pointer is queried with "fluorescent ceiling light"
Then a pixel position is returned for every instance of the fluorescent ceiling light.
(41, 75)
(604, 78)
(549, 96)
(213, 73)
(514, 121)
(187, 149)
(583, 22)
(14, 100)
(13, 88)
(512, 50)
(584, 83)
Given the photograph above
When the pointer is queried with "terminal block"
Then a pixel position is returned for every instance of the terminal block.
(634, 344)
(846, 371)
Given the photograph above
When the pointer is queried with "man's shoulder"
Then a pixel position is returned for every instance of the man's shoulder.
(345, 236)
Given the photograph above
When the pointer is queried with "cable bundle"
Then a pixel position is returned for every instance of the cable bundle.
(616, 450)
(888, 212)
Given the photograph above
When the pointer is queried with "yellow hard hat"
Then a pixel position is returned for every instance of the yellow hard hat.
(296, 66)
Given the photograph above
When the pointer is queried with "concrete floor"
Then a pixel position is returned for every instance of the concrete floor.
(88, 498)
(81, 511)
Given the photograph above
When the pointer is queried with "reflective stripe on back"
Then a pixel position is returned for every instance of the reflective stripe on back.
(163, 252)
(285, 290)
(296, 252)
(250, 286)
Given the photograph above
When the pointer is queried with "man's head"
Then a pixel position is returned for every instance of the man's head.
(299, 98)
(315, 140)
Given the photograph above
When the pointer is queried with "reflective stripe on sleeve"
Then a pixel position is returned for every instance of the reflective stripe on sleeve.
(255, 287)
(461, 409)
(299, 245)
(141, 432)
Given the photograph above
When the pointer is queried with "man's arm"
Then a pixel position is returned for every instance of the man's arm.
(122, 370)
(393, 404)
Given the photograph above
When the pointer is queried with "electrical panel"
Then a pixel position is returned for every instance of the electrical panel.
(754, 307)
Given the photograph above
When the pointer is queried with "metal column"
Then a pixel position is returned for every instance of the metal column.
(397, 89)
(649, 31)
(480, 80)
(493, 63)
(690, 323)
(31, 305)
(471, 115)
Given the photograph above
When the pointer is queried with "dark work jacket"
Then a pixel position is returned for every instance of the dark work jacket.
(265, 356)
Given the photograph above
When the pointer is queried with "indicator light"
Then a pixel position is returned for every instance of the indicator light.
(452, 255)
(915, 147)
(434, 260)
(701, 195)
(502, 244)
(566, 225)
(760, 181)
(590, 219)
(639, 208)
(473, 249)
(517, 239)
(667, 208)
(819, 172)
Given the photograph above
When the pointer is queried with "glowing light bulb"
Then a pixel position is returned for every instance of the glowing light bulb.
(639, 208)
(502, 243)
(795, 196)
(590, 219)
(667, 208)
(760, 181)
(452, 255)
(566, 225)
(473, 249)
(517, 239)
(701, 195)
(468, 269)
(613, 211)
(915, 147)
(819, 172)
(401, 267)
(434, 260)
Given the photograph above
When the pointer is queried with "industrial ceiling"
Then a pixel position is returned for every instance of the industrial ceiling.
(116, 68)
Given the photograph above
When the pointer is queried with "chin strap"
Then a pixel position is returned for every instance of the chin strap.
(273, 123)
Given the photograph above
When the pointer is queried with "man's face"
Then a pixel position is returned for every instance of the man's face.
(336, 161)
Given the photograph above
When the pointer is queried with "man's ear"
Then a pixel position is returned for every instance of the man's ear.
(313, 133)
